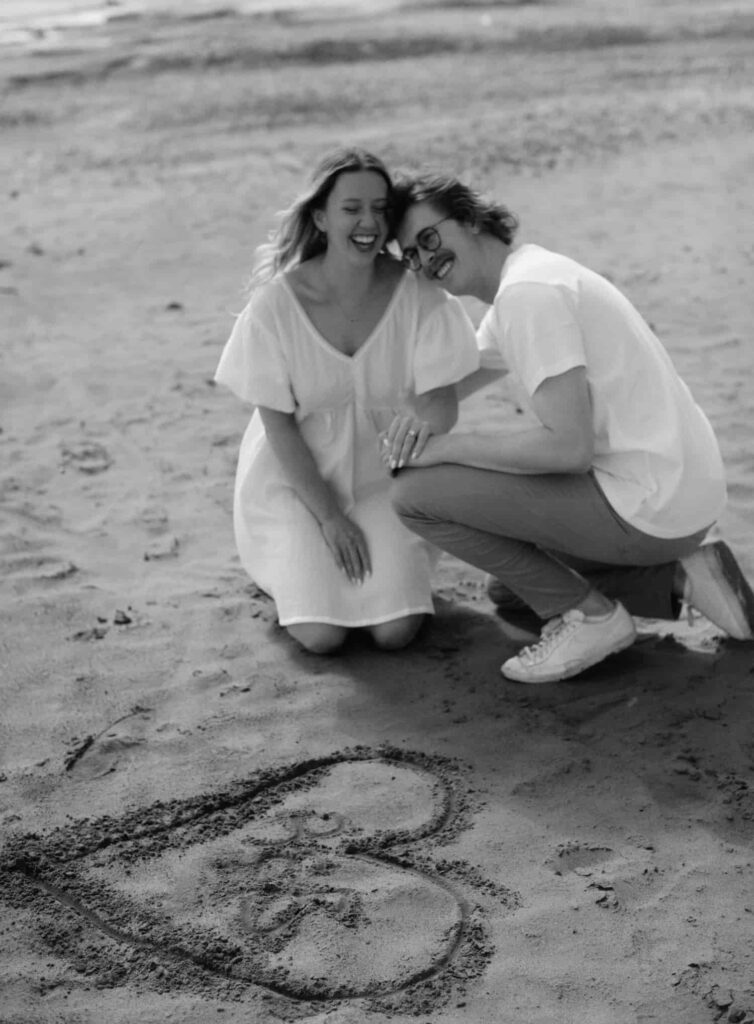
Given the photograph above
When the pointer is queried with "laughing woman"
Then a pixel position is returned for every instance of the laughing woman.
(338, 345)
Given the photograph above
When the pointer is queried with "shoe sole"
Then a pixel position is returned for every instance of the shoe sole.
(566, 673)
(727, 575)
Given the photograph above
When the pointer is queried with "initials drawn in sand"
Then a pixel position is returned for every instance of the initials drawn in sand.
(315, 883)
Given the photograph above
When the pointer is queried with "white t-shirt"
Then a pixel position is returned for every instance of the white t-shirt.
(655, 457)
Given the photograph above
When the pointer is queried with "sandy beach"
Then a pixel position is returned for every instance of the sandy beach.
(200, 822)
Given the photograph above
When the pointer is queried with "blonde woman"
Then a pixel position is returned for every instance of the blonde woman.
(338, 345)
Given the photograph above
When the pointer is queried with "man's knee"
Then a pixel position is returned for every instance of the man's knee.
(407, 492)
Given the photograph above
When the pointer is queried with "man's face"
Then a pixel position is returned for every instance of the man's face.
(430, 243)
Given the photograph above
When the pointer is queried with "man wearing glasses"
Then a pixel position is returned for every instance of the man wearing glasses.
(598, 511)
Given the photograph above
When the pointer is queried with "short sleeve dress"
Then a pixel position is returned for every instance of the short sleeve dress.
(275, 357)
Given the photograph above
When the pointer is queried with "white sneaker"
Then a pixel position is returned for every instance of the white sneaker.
(716, 587)
(571, 643)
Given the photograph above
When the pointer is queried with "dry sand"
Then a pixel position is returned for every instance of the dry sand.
(200, 822)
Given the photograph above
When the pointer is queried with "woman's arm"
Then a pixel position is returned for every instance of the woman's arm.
(437, 408)
(563, 442)
(343, 536)
(298, 462)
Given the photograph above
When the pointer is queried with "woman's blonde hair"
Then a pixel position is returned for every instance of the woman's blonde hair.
(297, 238)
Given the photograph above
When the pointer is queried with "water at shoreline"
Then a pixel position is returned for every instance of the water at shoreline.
(47, 25)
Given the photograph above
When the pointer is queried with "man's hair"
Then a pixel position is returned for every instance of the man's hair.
(454, 199)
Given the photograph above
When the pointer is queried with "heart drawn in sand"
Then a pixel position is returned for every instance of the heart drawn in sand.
(309, 883)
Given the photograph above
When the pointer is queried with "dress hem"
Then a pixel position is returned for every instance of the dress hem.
(297, 620)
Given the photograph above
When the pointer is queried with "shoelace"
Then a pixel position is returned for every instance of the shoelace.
(553, 632)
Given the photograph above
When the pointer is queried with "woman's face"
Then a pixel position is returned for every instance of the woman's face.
(435, 245)
(355, 215)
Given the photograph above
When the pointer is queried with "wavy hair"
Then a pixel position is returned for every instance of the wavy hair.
(454, 199)
(297, 238)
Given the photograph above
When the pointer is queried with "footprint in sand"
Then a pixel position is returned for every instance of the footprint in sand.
(305, 885)
(86, 456)
(578, 857)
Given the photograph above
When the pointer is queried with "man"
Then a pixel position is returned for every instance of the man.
(599, 511)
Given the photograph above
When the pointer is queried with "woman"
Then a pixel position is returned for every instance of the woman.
(337, 345)
(598, 511)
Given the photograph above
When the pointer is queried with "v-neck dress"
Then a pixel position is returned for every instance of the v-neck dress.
(275, 357)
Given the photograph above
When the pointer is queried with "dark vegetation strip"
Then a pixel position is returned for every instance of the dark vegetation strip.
(324, 51)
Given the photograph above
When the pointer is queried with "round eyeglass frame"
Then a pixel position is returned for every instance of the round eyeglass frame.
(427, 239)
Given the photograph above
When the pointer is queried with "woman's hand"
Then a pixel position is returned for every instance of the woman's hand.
(404, 440)
(348, 546)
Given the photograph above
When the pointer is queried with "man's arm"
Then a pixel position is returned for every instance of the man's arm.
(563, 442)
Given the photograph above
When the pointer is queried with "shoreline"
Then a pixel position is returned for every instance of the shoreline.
(47, 27)
(329, 41)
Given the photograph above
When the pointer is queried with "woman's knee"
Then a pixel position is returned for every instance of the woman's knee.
(394, 635)
(318, 637)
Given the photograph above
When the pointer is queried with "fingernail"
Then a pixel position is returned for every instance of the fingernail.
(394, 464)
(401, 464)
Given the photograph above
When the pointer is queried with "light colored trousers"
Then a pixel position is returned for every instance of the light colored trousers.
(549, 539)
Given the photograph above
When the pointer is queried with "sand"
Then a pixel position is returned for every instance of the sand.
(200, 822)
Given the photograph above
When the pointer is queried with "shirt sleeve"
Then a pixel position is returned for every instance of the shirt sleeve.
(446, 349)
(253, 365)
(488, 343)
(541, 335)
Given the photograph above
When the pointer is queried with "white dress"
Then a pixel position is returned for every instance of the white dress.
(275, 357)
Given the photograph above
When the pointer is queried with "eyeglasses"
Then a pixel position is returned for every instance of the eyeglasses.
(428, 239)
